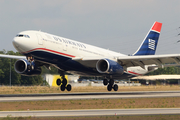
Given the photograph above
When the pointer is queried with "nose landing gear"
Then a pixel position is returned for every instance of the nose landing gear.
(63, 84)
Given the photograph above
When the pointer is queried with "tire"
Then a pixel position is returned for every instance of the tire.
(64, 82)
(68, 87)
(105, 81)
(62, 87)
(58, 81)
(109, 87)
(115, 87)
(111, 81)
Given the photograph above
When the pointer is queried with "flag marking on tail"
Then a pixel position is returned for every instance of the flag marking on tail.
(152, 44)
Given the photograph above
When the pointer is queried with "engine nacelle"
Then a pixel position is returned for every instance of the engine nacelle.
(109, 67)
(24, 67)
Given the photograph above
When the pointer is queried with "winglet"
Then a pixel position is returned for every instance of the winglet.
(157, 27)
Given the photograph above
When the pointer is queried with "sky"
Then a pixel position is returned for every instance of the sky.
(118, 25)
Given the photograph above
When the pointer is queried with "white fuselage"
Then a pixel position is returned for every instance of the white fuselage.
(31, 41)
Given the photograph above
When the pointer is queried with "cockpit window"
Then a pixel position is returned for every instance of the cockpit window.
(26, 36)
(21, 35)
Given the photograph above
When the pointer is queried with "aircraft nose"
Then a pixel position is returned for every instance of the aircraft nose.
(16, 42)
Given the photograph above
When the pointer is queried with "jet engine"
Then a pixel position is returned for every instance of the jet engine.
(27, 68)
(107, 66)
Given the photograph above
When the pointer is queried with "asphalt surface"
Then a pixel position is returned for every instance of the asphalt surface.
(95, 112)
(70, 96)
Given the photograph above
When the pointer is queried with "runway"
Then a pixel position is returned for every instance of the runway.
(70, 96)
(90, 112)
(95, 112)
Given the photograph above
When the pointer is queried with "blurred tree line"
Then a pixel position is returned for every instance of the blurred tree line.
(166, 70)
(17, 79)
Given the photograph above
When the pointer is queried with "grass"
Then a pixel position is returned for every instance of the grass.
(92, 104)
(115, 117)
(45, 89)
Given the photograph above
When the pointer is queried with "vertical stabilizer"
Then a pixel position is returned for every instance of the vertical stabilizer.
(149, 44)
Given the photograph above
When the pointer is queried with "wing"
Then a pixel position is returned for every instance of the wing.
(131, 61)
(13, 56)
(159, 60)
(88, 61)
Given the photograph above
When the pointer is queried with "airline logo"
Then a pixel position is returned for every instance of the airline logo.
(151, 44)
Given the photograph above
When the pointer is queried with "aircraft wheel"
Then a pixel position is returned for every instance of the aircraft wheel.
(63, 87)
(115, 87)
(111, 81)
(58, 81)
(64, 82)
(109, 87)
(68, 87)
(105, 81)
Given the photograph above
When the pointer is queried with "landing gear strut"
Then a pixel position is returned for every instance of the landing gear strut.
(110, 84)
(63, 84)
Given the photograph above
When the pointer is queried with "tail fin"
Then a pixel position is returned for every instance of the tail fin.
(149, 44)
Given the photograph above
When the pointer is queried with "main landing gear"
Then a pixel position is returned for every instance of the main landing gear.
(63, 84)
(110, 84)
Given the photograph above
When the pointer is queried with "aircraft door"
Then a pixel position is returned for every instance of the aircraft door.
(40, 39)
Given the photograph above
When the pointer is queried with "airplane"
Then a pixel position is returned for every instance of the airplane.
(70, 56)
